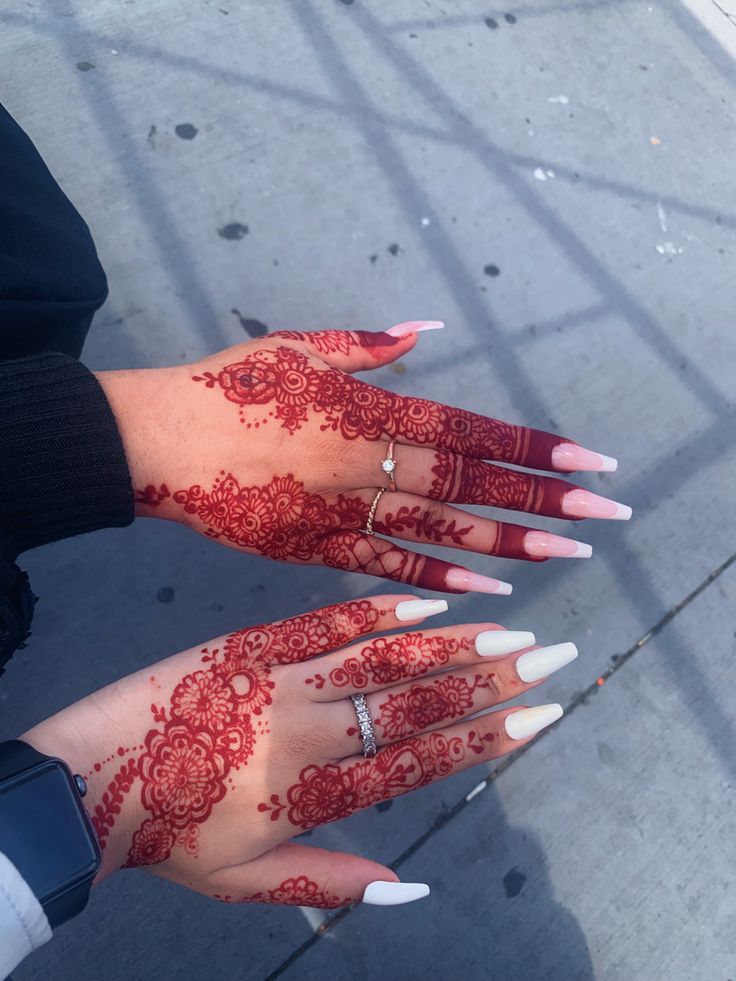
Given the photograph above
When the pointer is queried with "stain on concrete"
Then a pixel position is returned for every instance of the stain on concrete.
(606, 754)
(491, 270)
(509, 18)
(394, 248)
(490, 22)
(398, 368)
(513, 882)
(85, 66)
(151, 138)
(373, 258)
(165, 594)
(186, 131)
(254, 328)
(233, 231)
(385, 805)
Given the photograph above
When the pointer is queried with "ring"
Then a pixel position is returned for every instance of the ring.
(365, 724)
(389, 466)
(372, 513)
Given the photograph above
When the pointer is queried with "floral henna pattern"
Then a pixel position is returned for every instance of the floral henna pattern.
(338, 341)
(298, 891)
(211, 727)
(328, 793)
(387, 660)
(422, 706)
(284, 386)
(284, 521)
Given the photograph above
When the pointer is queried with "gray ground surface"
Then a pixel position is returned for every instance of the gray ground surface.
(334, 130)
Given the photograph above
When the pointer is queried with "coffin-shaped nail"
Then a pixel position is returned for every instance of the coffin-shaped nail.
(570, 456)
(543, 544)
(465, 581)
(418, 609)
(414, 327)
(581, 503)
(496, 643)
(528, 722)
(544, 661)
(394, 893)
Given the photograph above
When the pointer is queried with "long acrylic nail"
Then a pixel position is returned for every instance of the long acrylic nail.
(414, 327)
(465, 581)
(581, 503)
(546, 545)
(528, 722)
(394, 893)
(544, 661)
(570, 456)
(419, 609)
(496, 643)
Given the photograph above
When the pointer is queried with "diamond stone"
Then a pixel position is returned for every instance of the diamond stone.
(388, 466)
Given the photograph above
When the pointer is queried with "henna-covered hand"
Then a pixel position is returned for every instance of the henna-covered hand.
(205, 765)
(274, 448)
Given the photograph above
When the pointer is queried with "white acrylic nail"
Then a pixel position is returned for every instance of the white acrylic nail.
(496, 643)
(394, 893)
(419, 609)
(528, 722)
(414, 327)
(545, 661)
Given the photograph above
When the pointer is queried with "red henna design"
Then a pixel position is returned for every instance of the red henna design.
(339, 341)
(297, 891)
(422, 706)
(295, 388)
(386, 660)
(152, 496)
(328, 793)
(184, 767)
(467, 481)
(423, 523)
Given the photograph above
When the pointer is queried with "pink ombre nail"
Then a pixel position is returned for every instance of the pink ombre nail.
(543, 544)
(581, 503)
(471, 582)
(414, 327)
(570, 456)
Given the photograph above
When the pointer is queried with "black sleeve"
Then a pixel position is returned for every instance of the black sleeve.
(63, 471)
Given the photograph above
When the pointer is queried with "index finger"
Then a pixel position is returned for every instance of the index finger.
(421, 422)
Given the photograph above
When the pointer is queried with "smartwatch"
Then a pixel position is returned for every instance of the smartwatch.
(45, 830)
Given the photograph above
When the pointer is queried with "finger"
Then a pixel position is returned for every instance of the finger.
(355, 551)
(357, 350)
(445, 476)
(431, 703)
(424, 423)
(334, 790)
(311, 634)
(296, 875)
(415, 519)
(384, 662)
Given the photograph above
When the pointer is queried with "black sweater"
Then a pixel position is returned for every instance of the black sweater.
(62, 465)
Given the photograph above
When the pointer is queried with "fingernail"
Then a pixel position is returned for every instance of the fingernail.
(544, 543)
(414, 327)
(496, 643)
(465, 581)
(545, 661)
(528, 722)
(419, 609)
(570, 456)
(581, 503)
(394, 893)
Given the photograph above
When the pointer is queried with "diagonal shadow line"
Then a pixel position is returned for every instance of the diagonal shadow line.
(519, 12)
(492, 158)
(154, 211)
(576, 318)
(344, 110)
(701, 38)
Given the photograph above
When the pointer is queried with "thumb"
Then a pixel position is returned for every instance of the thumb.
(297, 875)
(359, 350)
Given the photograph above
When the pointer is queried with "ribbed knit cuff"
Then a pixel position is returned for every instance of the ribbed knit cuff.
(62, 465)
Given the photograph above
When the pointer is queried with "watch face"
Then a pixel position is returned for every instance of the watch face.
(44, 830)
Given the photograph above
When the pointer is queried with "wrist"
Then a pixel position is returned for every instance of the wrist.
(149, 409)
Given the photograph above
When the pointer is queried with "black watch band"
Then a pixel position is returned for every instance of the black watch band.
(45, 830)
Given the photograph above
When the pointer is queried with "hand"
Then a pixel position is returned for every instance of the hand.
(273, 448)
(204, 765)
